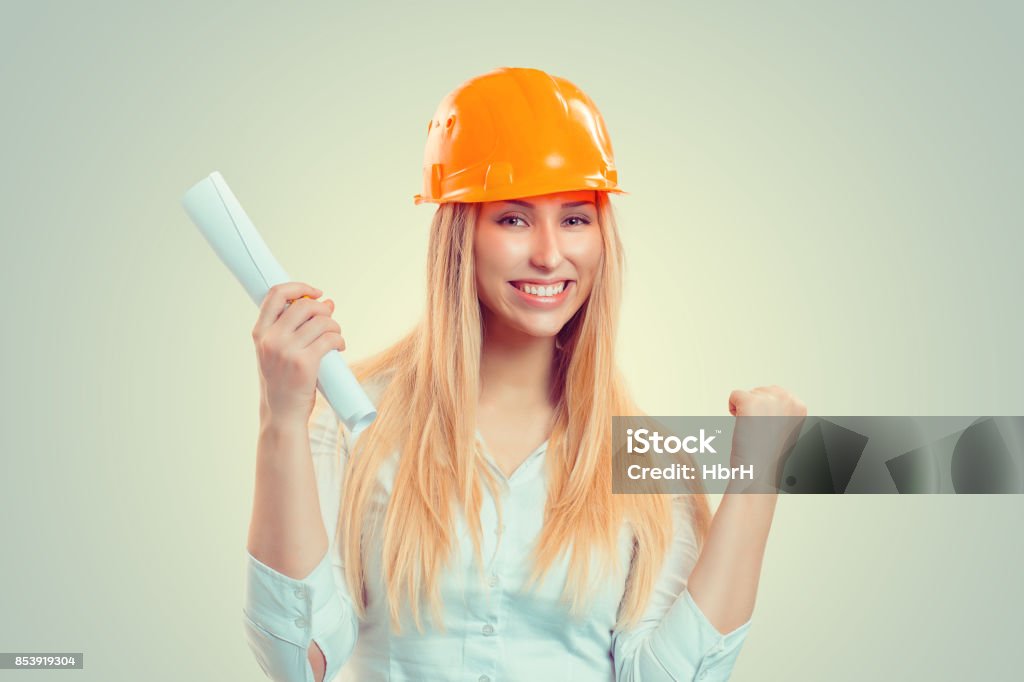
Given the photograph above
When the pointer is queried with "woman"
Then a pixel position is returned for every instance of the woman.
(470, 532)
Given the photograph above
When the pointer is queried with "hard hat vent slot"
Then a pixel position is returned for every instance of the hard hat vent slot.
(435, 180)
(499, 174)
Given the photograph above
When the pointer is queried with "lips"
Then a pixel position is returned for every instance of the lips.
(543, 294)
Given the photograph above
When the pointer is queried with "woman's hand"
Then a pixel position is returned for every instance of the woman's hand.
(292, 334)
(763, 443)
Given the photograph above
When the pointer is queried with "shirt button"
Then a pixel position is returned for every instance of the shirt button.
(300, 622)
(300, 593)
(492, 581)
(488, 629)
(483, 678)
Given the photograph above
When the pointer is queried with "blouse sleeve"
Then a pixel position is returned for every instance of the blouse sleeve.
(282, 615)
(674, 640)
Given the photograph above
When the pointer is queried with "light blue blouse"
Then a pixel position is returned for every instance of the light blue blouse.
(494, 633)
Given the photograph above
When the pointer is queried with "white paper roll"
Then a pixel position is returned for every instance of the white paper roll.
(216, 212)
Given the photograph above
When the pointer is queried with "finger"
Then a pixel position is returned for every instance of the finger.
(276, 301)
(774, 394)
(299, 312)
(737, 399)
(312, 329)
(326, 342)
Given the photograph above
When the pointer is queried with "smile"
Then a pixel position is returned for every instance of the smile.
(540, 289)
(543, 295)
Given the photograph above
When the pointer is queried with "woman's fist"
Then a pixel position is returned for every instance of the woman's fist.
(768, 423)
(292, 334)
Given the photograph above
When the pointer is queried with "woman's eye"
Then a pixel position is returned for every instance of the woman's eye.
(579, 221)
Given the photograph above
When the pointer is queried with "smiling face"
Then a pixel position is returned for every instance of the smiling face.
(537, 259)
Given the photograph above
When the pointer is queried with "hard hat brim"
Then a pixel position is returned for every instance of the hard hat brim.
(520, 193)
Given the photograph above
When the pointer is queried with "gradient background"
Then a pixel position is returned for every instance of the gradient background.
(828, 199)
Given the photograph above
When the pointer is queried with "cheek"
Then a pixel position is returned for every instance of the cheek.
(493, 261)
(497, 254)
(586, 257)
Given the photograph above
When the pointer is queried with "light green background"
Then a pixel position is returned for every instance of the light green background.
(826, 196)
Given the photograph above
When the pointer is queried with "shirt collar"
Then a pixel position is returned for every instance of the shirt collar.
(524, 466)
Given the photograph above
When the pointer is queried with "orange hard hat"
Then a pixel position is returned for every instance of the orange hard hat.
(515, 132)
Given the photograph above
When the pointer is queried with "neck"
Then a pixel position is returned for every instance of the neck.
(515, 368)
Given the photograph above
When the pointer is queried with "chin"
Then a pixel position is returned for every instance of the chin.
(541, 330)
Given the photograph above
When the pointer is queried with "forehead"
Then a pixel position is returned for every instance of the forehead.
(552, 200)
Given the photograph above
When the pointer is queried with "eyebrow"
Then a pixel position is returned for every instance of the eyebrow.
(568, 204)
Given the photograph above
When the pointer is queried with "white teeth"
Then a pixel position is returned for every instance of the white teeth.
(543, 291)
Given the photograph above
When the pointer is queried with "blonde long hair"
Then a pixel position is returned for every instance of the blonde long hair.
(428, 412)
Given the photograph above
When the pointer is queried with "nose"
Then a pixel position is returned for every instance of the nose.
(546, 252)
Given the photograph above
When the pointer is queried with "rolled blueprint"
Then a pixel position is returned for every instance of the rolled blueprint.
(218, 215)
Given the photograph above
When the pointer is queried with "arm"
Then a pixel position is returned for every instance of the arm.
(286, 532)
(301, 622)
(674, 639)
(724, 581)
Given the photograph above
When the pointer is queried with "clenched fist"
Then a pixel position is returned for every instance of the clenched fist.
(768, 423)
